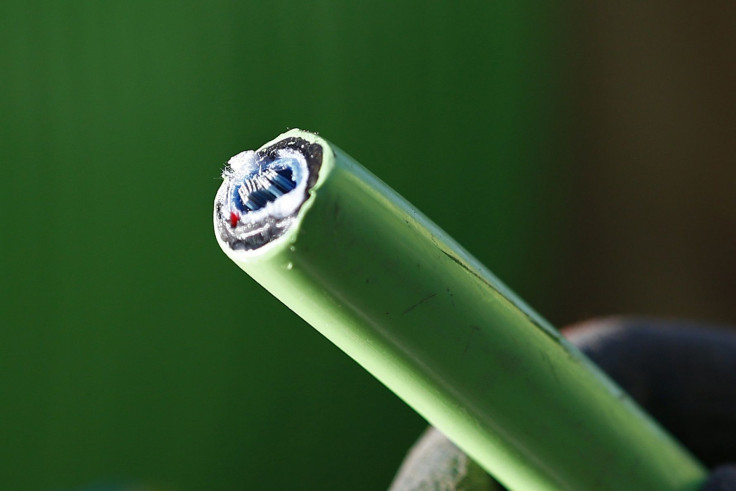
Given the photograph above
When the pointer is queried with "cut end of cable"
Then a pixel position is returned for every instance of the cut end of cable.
(263, 191)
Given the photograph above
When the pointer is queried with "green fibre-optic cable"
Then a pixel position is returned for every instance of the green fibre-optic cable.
(392, 290)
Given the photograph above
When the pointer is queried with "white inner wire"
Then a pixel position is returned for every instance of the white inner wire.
(244, 166)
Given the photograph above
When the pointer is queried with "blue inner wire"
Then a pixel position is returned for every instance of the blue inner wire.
(264, 186)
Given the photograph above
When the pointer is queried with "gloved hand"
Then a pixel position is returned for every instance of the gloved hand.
(683, 374)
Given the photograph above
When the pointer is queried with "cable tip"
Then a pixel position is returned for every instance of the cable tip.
(263, 191)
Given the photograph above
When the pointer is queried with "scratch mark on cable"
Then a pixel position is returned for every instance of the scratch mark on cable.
(419, 303)
(551, 366)
(473, 329)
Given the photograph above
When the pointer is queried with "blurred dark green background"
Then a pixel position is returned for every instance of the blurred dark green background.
(133, 352)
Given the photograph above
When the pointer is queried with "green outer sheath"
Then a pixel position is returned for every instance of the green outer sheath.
(405, 301)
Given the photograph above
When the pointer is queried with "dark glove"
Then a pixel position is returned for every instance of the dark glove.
(683, 374)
